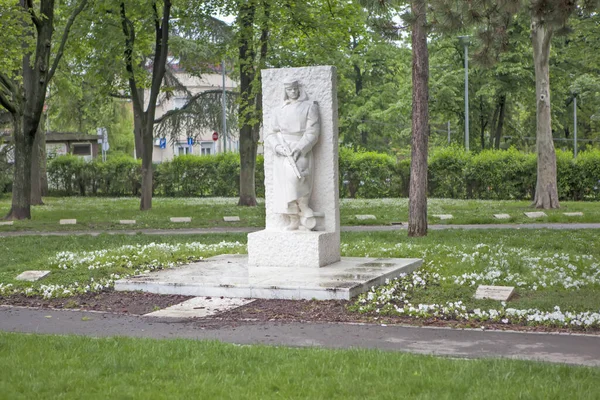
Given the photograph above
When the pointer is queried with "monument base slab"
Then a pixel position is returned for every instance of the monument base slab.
(295, 249)
(231, 276)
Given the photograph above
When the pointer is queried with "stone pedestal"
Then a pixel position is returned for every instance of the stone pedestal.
(293, 249)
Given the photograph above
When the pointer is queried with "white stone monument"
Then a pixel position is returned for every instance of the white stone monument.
(301, 170)
(297, 255)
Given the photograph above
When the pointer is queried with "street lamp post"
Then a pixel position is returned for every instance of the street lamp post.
(224, 127)
(465, 40)
(574, 125)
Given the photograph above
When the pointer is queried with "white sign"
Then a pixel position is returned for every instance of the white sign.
(502, 293)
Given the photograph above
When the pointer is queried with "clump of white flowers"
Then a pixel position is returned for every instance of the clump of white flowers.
(483, 265)
(135, 259)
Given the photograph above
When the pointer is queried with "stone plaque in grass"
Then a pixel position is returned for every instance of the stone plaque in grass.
(233, 218)
(365, 216)
(444, 216)
(502, 216)
(68, 221)
(7, 223)
(501, 293)
(573, 214)
(32, 276)
(127, 222)
(536, 214)
(181, 219)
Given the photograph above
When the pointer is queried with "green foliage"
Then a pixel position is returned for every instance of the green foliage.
(367, 174)
(497, 175)
(446, 172)
(453, 173)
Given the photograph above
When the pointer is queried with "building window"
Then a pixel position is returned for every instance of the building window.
(207, 148)
(183, 149)
(82, 149)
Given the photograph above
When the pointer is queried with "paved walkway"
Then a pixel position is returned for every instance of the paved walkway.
(558, 348)
(361, 228)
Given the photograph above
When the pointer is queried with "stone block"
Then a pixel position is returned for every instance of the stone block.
(181, 219)
(293, 248)
(127, 222)
(535, 214)
(199, 307)
(68, 221)
(233, 218)
(443, 216)
(573, 214)
(7, 223)
(501, 293)
(502, 216)
(32, 276)
(365, 216)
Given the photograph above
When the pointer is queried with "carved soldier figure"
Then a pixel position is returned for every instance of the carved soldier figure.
(294, 132)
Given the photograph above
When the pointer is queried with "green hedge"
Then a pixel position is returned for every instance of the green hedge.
(453, 173)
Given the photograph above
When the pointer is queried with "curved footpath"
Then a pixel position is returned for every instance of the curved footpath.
(458, 343)
(355, 228)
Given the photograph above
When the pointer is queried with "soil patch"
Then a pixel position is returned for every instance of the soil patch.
(137, 303)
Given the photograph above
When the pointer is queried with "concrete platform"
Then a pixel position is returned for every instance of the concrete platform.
(230, 276)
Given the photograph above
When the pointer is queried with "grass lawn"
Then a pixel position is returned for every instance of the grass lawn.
(101, 213)
(548, 268)
(70, 367)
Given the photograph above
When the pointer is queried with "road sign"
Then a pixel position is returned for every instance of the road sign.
(162, 143)
(215, 136)
(190, 141)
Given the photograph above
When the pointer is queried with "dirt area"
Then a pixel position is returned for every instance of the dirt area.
(139, 303)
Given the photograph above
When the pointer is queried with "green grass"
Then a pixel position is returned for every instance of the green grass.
(442, 251)
(69, 367)
(100, 213)
(455, 252)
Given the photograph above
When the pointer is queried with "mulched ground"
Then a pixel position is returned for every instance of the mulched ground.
(136, 303)
(139, 303)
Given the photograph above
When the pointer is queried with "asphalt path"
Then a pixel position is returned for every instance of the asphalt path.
(457, 343)
(361, 228)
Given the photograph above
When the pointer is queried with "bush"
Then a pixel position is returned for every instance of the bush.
(505, 174)
(367, 175)
(446, 172)
(454, 173)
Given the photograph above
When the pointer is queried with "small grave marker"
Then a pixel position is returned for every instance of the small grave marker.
(365, 216)
(574, 214)
(127, 221)
(68, 221)
(536, 214)
(32, 276)
(501, 293)
(443, 216)
(7, 222)
(233, 218)
(502, 216)
(181, 219)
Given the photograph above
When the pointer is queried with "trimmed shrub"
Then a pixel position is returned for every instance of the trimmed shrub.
(367, 175)
(446, 172)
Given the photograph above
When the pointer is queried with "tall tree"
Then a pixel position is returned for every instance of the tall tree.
(417, 208)
(161, 51)
(22, 92)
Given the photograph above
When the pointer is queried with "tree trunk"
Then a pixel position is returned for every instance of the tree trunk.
(147, 174)
(21, 189)
(500, 126)
(493, 125)
(36, 168)
(482, 123)
(417, 204)
(247, 141)
(138, 127)
(546, 192)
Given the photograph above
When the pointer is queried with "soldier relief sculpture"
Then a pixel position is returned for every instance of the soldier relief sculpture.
(294, 132)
